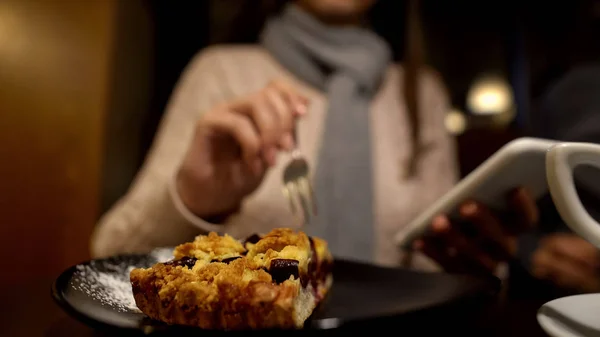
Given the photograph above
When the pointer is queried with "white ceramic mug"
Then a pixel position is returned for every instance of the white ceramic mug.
(561, 161)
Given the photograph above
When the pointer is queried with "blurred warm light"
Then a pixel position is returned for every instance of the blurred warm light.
(4, 30)
(7, 26)
(455, 122)
(12, 34)
(490, 95)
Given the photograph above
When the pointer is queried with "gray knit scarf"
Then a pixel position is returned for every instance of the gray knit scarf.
(347, 64)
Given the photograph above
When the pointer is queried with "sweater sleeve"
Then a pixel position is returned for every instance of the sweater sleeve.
(148, 216)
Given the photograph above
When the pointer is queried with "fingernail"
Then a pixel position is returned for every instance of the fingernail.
(440, 224)
(287, 142)
(301, 109)
(439, 220)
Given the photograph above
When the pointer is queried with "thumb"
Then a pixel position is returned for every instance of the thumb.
(575, 248)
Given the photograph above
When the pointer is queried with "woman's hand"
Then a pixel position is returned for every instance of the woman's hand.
(568, 261)
(480, 239)
(233, 146)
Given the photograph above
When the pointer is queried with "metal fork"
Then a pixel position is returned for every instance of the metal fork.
(297, 187)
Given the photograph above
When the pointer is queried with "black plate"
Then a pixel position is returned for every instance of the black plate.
(361, 295)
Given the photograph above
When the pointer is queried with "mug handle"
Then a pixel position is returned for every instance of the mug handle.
(561, 161)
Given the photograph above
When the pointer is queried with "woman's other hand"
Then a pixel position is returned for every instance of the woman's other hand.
(480, 239)
(233, 146)
(568, 261)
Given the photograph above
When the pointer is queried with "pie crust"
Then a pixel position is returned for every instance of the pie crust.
(217, 282)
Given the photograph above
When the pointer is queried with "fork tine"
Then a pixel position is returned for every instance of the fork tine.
(311, 193)
(296, 194)
(301, 190)
(290, 197)
(307, 194)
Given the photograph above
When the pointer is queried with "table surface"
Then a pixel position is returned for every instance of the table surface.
(31, 311)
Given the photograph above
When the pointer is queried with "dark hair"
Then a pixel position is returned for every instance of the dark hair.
(413, 60)
(404, 35)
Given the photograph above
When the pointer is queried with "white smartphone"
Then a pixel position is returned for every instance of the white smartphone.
(519, 163)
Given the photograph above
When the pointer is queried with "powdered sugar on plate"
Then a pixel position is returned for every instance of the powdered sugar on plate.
(107, 281)
(109, 287)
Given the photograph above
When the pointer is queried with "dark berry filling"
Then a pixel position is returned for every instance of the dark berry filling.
(313, 265)
(253, 239)
(317, 270)
(187, 261)
(282, 269)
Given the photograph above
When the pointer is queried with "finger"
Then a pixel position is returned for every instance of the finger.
(298, 102)
(242, 130)
(458, 246)
(299, 106)
(541, 263)
(562, 272)
(271, 134)
(489, 227)
(260, 112)
(525, 207)
(262, 115)
(474, 257)
(436, 250)
(454, 251)
(547, 265)
(284, 116)
(574, 248)
(440, 225)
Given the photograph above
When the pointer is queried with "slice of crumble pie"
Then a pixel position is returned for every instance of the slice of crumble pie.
(217, 282)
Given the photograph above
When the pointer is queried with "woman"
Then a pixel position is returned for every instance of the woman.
(217, 160)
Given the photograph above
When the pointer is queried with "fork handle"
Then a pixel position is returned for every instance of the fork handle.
(295, 133)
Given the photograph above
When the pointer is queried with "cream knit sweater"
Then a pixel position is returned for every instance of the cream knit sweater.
(151, 214)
